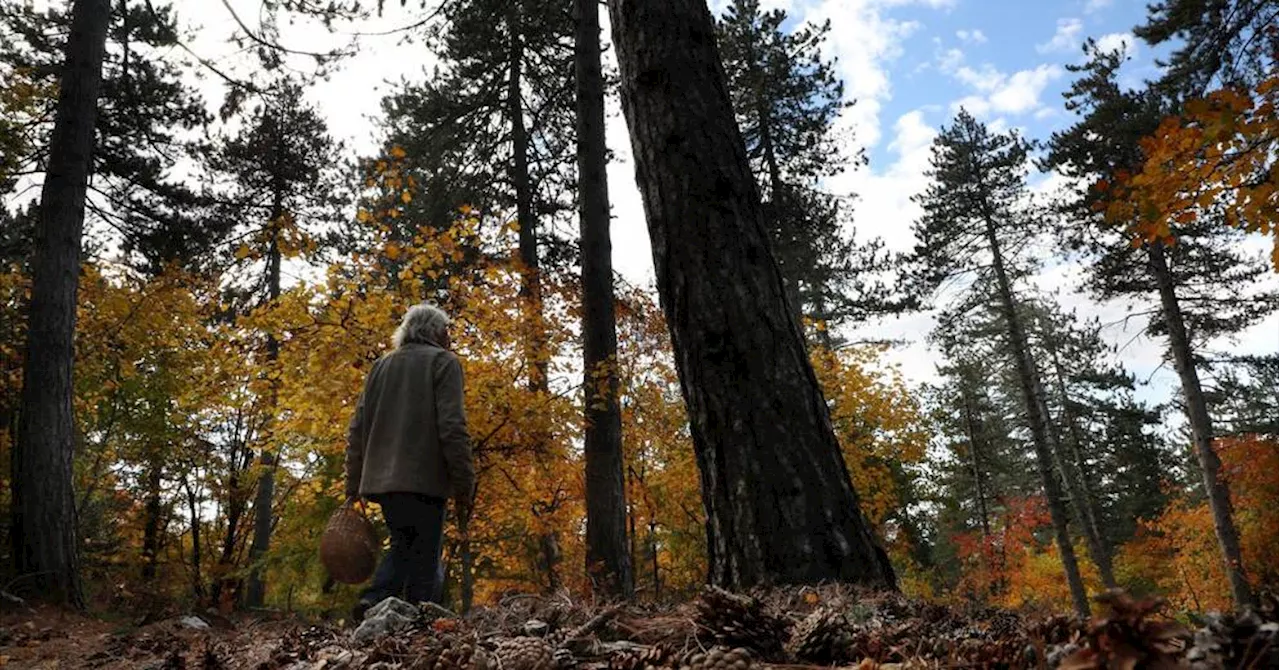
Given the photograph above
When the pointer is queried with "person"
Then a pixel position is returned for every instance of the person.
(408, 451)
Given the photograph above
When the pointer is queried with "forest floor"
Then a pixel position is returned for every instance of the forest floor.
(788, 629)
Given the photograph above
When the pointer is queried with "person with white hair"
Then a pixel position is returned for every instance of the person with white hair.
(408, 450)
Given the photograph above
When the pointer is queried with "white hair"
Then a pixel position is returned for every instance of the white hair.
(422, 324)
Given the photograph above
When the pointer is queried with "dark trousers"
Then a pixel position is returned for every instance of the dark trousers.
(411, 569)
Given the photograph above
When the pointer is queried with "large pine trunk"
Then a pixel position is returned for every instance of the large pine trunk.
(1201, 426)
(1038, 418)
(608, 554)
(780, 507)
(44, 521)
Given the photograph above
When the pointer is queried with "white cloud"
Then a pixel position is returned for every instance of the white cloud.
(985, 78)
(950, 60)
(999, 93)
(1125, 43)
(1091, 6)
(974, 36)
(1066, 38)
(1021, 92)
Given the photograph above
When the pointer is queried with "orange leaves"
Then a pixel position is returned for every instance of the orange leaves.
(1219, 155)
(1178, 552)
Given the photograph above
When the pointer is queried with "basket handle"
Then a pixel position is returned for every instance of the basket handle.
(356, 502)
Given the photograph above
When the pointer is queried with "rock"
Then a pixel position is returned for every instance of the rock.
(193, 622)
(392, 604)
(386, 622)
(431, 611)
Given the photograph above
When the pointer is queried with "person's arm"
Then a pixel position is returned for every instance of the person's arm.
(355, 441)
(451, 419)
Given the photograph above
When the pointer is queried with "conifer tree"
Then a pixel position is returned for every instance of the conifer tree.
(1205, 285)
(975, 217)
(787, 99)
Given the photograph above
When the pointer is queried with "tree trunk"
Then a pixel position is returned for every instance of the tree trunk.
(780, 507)
(608, 560)
(1201, 427)
(240, 459)
(151, 521)
(256, 589)
(1077, 484)
(972, 428)
(1037, 417)
(531, 283)
(43, 505)
(193, 506)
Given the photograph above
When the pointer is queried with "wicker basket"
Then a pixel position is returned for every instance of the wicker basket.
(348, 547)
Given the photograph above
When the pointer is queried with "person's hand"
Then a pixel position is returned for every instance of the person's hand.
(462, 508)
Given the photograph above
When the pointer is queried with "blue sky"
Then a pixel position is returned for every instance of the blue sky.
(957, 49)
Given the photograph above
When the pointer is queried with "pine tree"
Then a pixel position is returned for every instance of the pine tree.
(44, 521)
(1222, 43)
(780, 506)
(147, 113)
(280, 175)
(1074, 367)
(1241, 394)
(787, 100)
(506, 91)
(1137, 465)
(975, 211)
(608, 555)
(1206, 284)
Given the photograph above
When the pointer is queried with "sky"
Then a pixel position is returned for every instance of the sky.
(909, 64)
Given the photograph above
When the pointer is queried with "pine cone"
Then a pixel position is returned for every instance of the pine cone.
(720, 658)
(740, 621)
(524, 653)
(652, 658)
(451, 655)
(823, 637)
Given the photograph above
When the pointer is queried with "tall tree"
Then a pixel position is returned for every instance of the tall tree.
(1205, 285)
(780, 506)
(608, 554)
(787, 99)
(506, 91)
(1222, 43)
(1073, 365)
(281, 178)
(147, 115)
(44, 524)
(974, 213)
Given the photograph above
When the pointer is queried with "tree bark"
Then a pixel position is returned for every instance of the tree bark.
(780, 507)
(1037, 417)
(608, 557)
(43, 507)
(1201, 427)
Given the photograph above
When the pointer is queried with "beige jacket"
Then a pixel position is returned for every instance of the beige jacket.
(409, 431)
